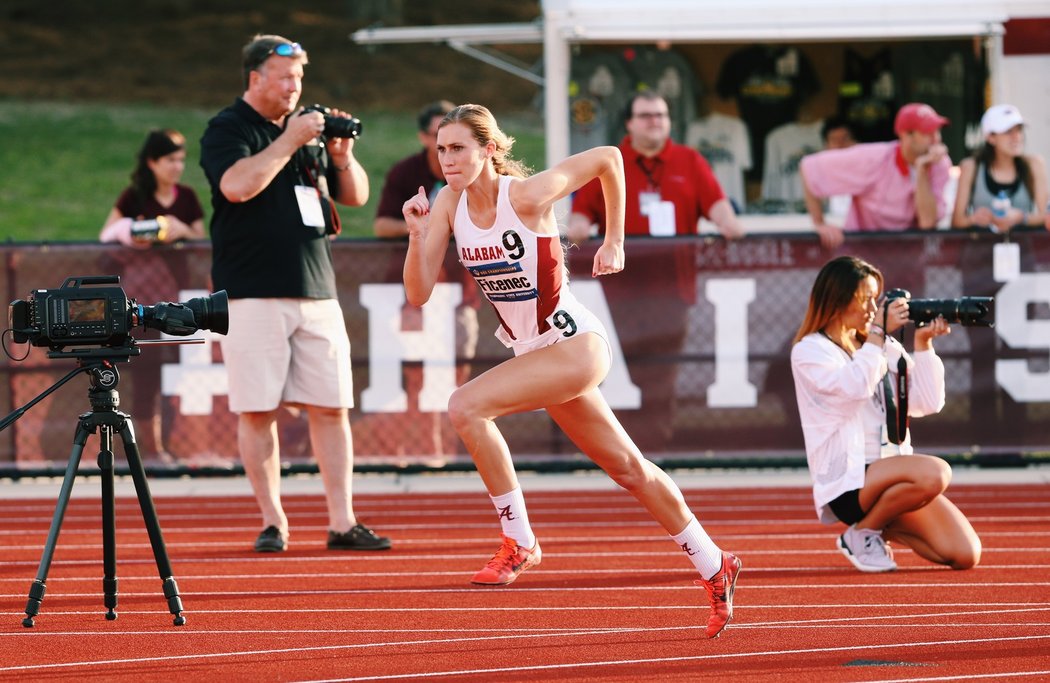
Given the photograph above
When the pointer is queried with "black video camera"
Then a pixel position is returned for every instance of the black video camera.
(104, 316)
(968, 311)
(336, 126)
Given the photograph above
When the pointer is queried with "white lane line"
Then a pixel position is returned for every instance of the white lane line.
(512, 637)
(549, 667)
(318, 648)
(972, 497)
(707, 513)
(685, 573)
(572, 589)
(571, 609)
(567, 630)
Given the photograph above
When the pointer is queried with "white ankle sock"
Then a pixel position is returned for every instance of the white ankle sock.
(514, 518)
(701, 550)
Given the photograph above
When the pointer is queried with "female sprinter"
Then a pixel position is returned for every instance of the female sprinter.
(506, 236)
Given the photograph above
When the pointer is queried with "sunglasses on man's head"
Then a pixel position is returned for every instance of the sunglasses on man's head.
(286, 50)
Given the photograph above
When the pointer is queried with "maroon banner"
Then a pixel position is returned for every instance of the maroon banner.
(701, 332)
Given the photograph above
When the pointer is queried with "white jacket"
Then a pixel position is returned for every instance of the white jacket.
(842, 409)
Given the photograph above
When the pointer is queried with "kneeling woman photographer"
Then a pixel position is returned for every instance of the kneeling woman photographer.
(842, 354)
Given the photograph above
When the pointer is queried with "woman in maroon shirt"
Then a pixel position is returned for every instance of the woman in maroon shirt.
(155, 193)
(154, 210)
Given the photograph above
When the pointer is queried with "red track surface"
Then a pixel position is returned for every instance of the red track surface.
(612, 601)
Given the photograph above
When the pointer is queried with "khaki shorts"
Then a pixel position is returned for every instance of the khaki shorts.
(287, 351)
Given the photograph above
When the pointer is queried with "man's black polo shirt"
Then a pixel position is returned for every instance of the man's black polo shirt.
(261, 248)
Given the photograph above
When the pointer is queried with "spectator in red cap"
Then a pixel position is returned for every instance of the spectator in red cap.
(1000, 170)
(894, 185)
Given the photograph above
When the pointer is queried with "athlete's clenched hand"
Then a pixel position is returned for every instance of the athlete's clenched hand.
(608, 259)
(415, 211)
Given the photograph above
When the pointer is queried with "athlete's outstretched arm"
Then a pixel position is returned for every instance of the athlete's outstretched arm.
(538, 193)
(428, 235)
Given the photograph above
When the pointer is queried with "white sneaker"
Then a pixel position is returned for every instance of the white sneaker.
(866, 550)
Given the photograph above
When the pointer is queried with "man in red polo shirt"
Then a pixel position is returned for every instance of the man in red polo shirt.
(669, 186)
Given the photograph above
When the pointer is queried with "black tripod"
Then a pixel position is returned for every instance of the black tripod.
(100, 366)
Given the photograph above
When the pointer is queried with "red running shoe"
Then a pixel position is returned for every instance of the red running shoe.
(509, 561)
(720, 591)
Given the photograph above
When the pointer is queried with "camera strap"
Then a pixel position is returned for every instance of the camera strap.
(896, 407)
(327, 203)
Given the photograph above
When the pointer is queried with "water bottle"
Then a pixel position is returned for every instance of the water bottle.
(1001, 205)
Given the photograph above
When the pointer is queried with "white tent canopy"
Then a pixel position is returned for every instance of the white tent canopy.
(766, 20)
(568, 22)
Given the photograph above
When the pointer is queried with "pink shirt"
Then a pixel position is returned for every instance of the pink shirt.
(878, 179)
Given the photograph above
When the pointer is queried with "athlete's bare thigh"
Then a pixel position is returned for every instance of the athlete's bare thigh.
(548, 376)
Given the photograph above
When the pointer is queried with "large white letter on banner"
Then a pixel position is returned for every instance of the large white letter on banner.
(1013, 325)
(195, 379)
(730, 297)
(618, 389)
(389, 347)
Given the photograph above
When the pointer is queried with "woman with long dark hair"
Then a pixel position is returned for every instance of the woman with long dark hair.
(156, 194)
(155, 209)
(1001, 169)
(845, 366)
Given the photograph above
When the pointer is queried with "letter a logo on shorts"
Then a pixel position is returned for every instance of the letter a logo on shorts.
(687, 551)
(505, 513)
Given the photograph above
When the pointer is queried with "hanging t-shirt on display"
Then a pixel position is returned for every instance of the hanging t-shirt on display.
(599, 88)
(769, 84)
(724, 143)
(785, 147)
(867, 95)
(669, 74)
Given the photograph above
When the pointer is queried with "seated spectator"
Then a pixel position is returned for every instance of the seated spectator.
(1001, 169)
(154, 209)
(405, 177)
(837, 133)
(423, 169)
(894, 185)
(155, 193)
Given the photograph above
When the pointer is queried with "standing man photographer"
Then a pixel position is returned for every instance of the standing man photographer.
(274, 177)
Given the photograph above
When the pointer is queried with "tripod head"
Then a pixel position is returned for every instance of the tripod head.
(100, 366)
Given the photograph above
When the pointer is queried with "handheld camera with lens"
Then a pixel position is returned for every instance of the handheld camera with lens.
(968, 311)
(336, 126)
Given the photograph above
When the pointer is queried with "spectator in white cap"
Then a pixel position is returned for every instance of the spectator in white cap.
(1001, 187)
(894, 185)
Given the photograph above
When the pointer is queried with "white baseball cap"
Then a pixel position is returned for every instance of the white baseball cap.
(1000, 118)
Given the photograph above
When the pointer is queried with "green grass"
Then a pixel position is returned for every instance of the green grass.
(62, 166)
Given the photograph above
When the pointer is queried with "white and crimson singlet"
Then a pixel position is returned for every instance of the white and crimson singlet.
(522, 274)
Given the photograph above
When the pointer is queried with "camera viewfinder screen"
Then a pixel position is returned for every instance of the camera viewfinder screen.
(87, 310)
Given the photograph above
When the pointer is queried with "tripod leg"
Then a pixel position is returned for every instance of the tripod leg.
(149, 515)
(39, 587)
(109, 521)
